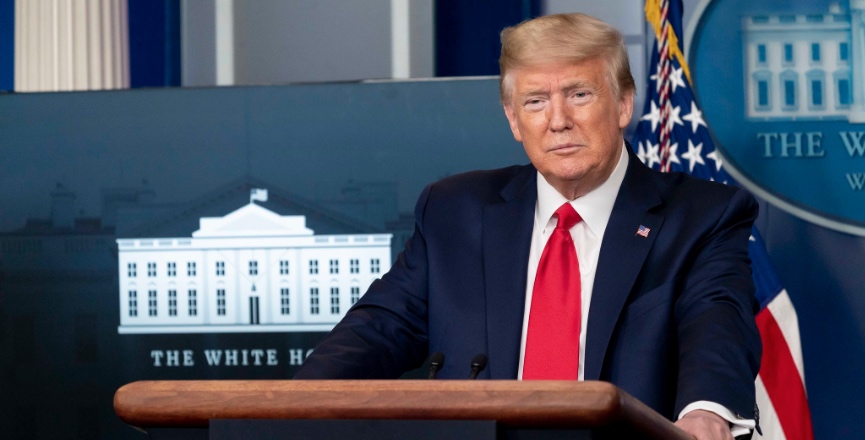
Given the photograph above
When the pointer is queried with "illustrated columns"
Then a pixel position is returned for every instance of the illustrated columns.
(857, 30)
(71, 45)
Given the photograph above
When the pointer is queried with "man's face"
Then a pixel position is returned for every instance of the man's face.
(570, 122)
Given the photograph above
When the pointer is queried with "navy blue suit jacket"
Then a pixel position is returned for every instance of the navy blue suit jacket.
(671, 319)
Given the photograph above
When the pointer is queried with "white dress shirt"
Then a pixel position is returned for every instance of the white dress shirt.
(595, 208)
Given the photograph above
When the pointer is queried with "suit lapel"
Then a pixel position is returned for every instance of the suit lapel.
(507, 234)
(622, 255)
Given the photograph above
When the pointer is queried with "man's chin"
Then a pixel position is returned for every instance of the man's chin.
(574, 175)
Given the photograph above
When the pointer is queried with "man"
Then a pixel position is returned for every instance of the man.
(645, 283)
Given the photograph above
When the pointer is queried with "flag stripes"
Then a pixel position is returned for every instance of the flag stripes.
(781, 372)
(668, 139)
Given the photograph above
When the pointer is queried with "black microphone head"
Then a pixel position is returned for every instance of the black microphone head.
(479, 362)
(436, 362)
(437, 359)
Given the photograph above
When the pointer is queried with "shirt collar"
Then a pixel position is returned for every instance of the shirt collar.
(595, 207)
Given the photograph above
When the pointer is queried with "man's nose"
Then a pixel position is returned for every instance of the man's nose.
(560, 117)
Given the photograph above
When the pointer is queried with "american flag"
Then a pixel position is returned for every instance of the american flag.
(672, 135)
(643, 231)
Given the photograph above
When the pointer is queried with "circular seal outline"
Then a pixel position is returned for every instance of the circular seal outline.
(809, 215)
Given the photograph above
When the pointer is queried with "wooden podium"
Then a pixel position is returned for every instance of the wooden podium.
(388, 409)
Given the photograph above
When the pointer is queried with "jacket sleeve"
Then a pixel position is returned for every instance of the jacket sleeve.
(719, 344)
(385, 333)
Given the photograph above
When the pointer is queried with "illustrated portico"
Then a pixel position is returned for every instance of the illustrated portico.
(806, 66)
(250, 271)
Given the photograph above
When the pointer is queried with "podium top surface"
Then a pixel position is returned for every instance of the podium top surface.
(548, 404)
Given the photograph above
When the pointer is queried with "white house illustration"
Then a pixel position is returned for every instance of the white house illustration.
(806, 66)
(250, 271)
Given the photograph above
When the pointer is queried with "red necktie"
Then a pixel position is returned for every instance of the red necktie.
(553, 339)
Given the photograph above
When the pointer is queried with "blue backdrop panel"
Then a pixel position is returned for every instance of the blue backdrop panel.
(311, 139)
(351, 157)
(60, 352)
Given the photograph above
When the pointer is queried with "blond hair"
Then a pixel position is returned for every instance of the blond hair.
(564, 38)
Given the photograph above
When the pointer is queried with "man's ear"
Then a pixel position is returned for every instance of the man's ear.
(626, 109)
(512, 120)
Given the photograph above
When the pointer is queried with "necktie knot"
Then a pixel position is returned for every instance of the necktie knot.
(568, 217)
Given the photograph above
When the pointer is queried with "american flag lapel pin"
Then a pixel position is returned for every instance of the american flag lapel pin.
(643, 231)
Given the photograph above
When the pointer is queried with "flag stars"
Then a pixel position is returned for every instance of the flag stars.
(657, 78)
(695, 117)
(674, 117)
(673, 158)
(652, 156)
(641, 152)
(676, 79)
(654, 116)
(717, 158)
(694, 155)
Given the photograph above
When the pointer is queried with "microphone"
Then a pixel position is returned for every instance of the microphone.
(436, 363)
(479, 362)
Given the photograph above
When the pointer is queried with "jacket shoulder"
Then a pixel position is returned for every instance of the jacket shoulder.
(700, 194)
(482, 185)
(466, 194)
